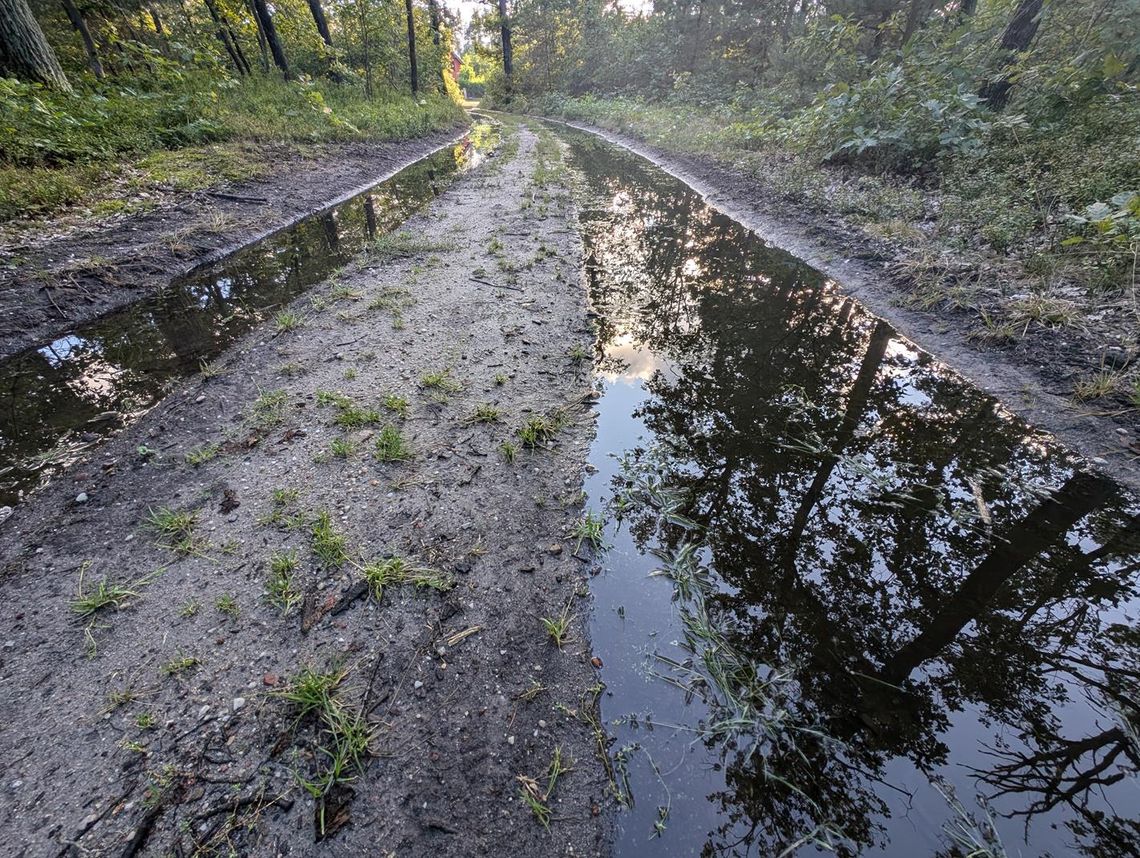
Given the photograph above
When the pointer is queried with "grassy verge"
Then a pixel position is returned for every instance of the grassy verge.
(104, 148)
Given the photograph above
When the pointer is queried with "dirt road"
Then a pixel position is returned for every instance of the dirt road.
(315, 578)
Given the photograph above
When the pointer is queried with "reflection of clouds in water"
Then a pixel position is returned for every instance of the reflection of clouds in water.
(629, 360)
(97, 382)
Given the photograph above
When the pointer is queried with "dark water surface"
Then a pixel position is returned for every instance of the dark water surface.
(60, 399)
(896, 620)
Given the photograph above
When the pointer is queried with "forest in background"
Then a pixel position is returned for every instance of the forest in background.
(95, 90)
(1001, 127)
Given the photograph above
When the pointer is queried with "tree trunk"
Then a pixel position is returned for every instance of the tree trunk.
(80, 25)
(321, 21)
(262, 47)
(237, 45)
(915, 15)
(1045, 526)
(265, 21)
(1015, 39)
(24, 52)
(508, 55)
(222, 32)
(415, 75)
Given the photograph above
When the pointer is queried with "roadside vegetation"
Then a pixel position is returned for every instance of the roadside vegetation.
(118, 101)
(986, 149)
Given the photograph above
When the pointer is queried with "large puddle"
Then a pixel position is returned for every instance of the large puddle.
(850, 603)
(60, 399)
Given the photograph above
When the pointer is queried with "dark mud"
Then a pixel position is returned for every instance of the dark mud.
(1034, 378)
(54, 280)
(155, 727)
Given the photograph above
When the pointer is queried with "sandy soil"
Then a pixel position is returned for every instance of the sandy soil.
(158, 726)
(1034, 378)
(79, 270)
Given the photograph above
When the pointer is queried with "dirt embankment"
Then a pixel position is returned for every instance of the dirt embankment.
(1035, 376)
(417, 548)
(77, 270)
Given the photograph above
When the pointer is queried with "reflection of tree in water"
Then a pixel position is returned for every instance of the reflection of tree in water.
(882, 525)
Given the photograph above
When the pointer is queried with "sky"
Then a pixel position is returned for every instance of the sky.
(467, 8)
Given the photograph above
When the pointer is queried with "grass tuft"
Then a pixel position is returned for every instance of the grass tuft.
(391, 446)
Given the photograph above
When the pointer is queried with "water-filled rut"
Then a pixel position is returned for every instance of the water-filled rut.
(60, 399)
(848, 602)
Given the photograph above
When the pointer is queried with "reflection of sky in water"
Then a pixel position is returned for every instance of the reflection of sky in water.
(63, 349)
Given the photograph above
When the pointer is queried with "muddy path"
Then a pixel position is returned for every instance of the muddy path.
(78, 269)
(1035, 378)
(298, 607)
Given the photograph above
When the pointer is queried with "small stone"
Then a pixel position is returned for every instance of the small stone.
(556, 548)
(203, 711)
(1098, 460)
(542, 723)
(5, 513)
(239, 704)
(81, 497)
(201, 397)
(510, 740)
(417, 684)
(269, 679)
